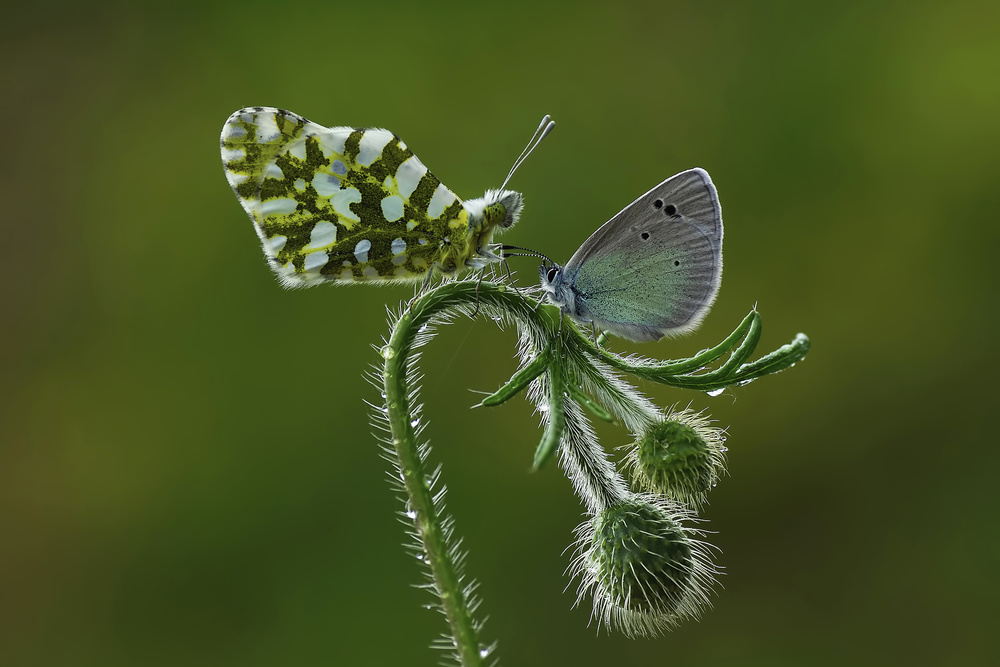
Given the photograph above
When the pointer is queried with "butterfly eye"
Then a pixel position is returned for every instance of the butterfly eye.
(550, 275)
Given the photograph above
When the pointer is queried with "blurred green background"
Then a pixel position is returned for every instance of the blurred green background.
(187, 474)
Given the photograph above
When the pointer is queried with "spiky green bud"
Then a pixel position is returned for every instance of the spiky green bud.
(681, 457)
(645, 569)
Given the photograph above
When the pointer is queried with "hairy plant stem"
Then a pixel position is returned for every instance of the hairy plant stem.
(423, 508)
(421, 501)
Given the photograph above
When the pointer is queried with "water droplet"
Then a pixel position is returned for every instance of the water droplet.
(411, 514)
(388, 352)
(746, 382)
(415, 423)
(715, 392)
(484, 653)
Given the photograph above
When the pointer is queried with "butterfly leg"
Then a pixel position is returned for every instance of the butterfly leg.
(538, 304)
(510, 278)
(426, 285)
(482, 274)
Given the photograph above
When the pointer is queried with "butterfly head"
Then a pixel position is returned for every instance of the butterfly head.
(550, 275)
(558, 290)
(502, 208)
(496, 209)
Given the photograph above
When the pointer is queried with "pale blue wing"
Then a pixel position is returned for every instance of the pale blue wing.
(655, 268)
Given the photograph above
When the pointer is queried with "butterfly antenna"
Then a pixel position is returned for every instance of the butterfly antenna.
(525, 252)
(546, 126)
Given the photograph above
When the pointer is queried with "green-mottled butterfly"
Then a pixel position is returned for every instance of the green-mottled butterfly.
(652, 270)
(349, 204)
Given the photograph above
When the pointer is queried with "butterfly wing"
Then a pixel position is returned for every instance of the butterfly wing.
(655, 267)
(337, 203)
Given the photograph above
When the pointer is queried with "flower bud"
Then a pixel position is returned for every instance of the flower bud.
(645, 570)
(681, 457)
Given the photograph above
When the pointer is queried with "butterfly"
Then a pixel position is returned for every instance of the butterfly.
(654, 269)
(346, 204)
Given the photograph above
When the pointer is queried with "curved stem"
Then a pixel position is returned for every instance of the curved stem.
(424, 507)
(425, 513)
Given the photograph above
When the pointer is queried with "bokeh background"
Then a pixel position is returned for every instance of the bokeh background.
(187, 475)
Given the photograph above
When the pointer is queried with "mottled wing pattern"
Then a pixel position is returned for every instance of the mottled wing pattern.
(655, 267)
(339, 203)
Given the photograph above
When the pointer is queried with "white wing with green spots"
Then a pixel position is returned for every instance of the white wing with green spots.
(353, 204)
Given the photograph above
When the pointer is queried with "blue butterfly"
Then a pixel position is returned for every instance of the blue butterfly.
(654, 269)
